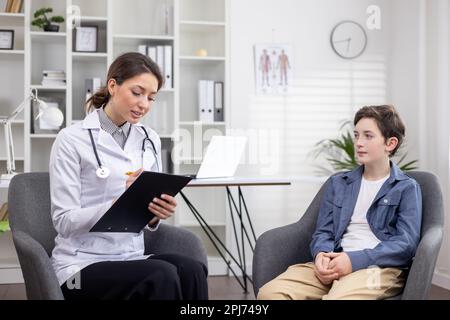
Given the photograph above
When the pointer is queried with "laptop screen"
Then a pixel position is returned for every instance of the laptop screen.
(222, 157)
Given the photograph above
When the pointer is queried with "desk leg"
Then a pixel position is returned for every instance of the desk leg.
(239, 213)
(243, 230)
(240, 245)
(241, 198)
(215, 240)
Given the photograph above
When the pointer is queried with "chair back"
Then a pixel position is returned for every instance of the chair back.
(29, 207)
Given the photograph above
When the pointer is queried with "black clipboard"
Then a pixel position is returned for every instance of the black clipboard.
(130, 212)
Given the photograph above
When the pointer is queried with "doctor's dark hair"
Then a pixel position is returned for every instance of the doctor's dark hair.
(388, 121)
(126, 66)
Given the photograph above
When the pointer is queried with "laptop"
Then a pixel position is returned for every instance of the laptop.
(222, 157)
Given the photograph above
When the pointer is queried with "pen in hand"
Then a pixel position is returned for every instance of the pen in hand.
(132, 176)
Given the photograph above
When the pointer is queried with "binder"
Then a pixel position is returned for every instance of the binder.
(218, 101)
(160, 58)
(151, 52)
(203, 100)
(206, 101)
(142, 48)
(130, 212)
(210, 101)
(168, 67)
(91, 86)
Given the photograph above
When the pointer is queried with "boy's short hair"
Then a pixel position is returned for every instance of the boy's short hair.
(387, 119)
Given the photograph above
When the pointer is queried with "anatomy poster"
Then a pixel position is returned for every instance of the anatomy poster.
(273, 68)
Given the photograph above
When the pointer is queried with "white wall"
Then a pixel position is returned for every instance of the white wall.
(408, 45)
(305, 24)
(437, 99)
(403, 50)
(420, 86)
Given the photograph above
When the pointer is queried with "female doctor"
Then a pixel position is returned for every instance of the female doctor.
(87, 173)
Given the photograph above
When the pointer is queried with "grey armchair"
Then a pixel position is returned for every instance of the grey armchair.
(292, 242)
(33, 235)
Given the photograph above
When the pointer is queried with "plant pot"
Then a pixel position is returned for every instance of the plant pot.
(51, 28)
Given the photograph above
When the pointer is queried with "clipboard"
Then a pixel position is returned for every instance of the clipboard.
(130, 212)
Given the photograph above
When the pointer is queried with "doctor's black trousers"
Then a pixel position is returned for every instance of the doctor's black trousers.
(160, 277)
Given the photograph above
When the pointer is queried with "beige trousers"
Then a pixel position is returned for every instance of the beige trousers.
(298, 282)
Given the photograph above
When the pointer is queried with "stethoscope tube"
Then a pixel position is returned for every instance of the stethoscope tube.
(153, 148)
(103, 172)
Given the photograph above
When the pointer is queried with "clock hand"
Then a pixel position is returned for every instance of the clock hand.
(348, 44)
(344, 40)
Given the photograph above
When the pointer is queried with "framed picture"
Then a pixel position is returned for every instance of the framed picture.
(273, 68)
(6, 39)
(86, 39)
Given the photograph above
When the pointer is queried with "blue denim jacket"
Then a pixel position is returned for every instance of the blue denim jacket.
(394, 216)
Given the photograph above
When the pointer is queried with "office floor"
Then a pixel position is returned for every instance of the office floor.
(220, 288)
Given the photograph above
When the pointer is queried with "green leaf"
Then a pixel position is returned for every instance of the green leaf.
(409, 166)
(39, 22)
(4, 226)
(42, 12)
(57, 19)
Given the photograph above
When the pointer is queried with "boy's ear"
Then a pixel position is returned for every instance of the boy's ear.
(391, 144)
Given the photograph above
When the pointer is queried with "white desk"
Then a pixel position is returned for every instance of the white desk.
(236, 207)
(238, 181)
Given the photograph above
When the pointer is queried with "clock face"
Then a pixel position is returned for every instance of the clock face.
(348, 39)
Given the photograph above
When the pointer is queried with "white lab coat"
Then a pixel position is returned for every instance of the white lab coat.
(79, 197)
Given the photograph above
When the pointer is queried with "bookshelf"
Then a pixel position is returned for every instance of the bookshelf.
(201, 24)
(12, 93)
(194, 24)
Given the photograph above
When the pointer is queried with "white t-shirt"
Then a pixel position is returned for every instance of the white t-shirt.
(358, 235)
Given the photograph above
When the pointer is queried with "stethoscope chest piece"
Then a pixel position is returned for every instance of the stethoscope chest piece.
(103, 172)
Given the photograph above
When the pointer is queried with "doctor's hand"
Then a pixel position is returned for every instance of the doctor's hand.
(162, 208)
(132, 178)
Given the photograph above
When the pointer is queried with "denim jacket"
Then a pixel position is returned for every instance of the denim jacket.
(394, 217)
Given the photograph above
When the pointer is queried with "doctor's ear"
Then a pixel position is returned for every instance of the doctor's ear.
(112, 85)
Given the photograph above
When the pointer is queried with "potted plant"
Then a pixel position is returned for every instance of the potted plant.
(340, 153)
(42, 21)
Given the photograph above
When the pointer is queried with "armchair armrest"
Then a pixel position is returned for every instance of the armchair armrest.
(422, 268)
(279, 248)
(40, 279)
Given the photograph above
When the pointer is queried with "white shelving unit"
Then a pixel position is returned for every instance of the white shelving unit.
(12, 93)
(202, 24)
(195, 24)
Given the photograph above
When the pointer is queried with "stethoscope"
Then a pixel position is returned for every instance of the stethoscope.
(103, 172)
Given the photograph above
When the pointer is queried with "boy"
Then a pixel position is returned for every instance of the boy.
(368, 226)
